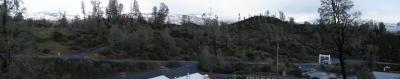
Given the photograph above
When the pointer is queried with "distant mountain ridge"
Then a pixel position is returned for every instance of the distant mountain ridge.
(47, 15)
(177, 18)
(172, 18)
(392, 27)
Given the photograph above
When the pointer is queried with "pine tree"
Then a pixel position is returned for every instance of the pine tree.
(135, 11)
(291, 21)
(154, 14)
(382, 27)
(113, 11)
(398, 24)
(161, 14)
(63, 20)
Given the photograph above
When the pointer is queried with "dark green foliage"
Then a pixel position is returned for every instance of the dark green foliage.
(76, 69)
(382, 28)
(219, 47)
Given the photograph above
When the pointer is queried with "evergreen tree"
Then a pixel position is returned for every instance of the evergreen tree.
(398, 24)
(382, 27)
(63, 20)
(135, 9)
(116, 36)
(161, 15)
(136, 12)
(154, 14)
(291, 21)
(8, 9)
(113, 11)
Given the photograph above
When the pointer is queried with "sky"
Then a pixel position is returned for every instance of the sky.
(387, 11)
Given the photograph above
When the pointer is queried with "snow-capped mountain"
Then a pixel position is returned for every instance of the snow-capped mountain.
(391, 27)
(177, 18)
(172, 18)
(47, 15)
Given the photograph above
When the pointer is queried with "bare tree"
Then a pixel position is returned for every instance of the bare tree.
(83, 9)
(337, 13)
(97, 12)
(267, 13)
(282, 16)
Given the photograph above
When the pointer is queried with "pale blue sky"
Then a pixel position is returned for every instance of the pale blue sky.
(302, 10)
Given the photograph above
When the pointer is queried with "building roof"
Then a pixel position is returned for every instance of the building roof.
(194, 76)
(386, 75)
(160, 77)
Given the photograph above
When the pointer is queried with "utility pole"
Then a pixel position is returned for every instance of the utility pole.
(277, 59)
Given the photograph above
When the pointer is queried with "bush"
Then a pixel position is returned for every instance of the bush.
(106, 52)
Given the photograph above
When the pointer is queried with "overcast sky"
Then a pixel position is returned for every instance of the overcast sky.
(302, 10)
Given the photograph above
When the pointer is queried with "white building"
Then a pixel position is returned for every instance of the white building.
(324, 59)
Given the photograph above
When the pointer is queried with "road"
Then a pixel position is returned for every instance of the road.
(354, 61)
(83, 54)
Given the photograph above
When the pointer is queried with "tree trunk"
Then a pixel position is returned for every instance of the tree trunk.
(340, 44)
(342, 62)
(8, 56)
